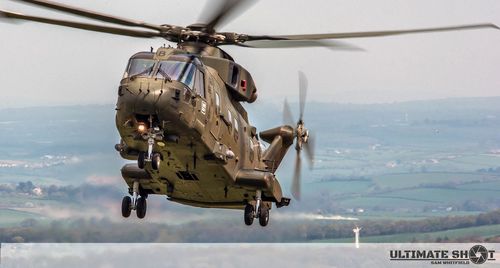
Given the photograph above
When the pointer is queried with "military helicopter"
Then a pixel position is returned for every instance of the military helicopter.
(180, 117)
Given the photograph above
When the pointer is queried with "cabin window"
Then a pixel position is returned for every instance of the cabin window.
(217, 102)
(139, 67)
(229, 120)
(200, 83)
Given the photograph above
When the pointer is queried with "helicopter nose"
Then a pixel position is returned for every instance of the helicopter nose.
(164, 101)
(146, 102)
(144, 96)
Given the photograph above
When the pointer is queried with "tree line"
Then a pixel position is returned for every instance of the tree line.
(104, 230)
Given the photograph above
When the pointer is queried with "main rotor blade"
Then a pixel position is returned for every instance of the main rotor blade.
(309, 148)
(302, 93)
(80, 25)
(222, 12)
(296, 177)
(287, 115)
(369, 34)
(91, 14)
(333, 45)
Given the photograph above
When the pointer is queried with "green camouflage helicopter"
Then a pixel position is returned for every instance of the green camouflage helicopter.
(180, 117)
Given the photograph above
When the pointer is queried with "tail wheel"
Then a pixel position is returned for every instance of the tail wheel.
(155, 161)
(263, 216)
(249, 214)
(141, 207)
(126, 206)
(141, 160)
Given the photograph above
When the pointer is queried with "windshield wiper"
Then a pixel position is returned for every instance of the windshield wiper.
(146, 71)
(163, 73)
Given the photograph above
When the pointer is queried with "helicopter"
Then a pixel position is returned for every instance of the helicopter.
(180, 117)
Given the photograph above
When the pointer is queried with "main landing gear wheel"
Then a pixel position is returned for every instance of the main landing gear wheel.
(126, 206)
(249, 214)
(263, 216)
(141, 160)
(260, 210)
(141, 207)
(155, 161)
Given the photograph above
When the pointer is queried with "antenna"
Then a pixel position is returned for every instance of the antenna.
(356, 236)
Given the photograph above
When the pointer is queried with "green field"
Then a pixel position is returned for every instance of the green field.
(418, 199)
(409, 192)
(339, 187)
(484, 186)
(406, 180)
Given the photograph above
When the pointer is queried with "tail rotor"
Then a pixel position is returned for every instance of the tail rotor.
(303, 139)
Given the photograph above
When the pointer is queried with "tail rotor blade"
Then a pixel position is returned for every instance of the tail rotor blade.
(309, 146)
(296, 177)
(302, 93)
(287, 115)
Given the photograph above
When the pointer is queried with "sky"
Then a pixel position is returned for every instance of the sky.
(44, 65)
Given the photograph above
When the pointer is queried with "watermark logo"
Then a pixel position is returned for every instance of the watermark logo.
(477, 254)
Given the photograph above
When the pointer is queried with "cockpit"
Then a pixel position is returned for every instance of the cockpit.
(182, 68)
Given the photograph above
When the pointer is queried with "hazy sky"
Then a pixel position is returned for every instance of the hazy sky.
(48, 65)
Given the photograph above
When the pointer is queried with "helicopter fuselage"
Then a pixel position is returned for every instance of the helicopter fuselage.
(179, 112)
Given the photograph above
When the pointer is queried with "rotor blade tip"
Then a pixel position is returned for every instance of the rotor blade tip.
(9, 16)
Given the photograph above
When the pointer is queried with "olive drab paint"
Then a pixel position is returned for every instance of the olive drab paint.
(195, 166)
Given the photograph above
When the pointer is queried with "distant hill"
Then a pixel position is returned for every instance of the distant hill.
(409, 159)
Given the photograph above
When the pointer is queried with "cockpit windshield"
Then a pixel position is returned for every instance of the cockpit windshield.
(139, 67)
(182, 68)
(177, 70)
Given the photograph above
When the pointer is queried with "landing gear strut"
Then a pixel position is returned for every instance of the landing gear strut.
(260, 211)
(137, 203)
(152, 134)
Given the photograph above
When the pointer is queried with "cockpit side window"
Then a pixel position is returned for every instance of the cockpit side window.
(139, 67)
(188, 75)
